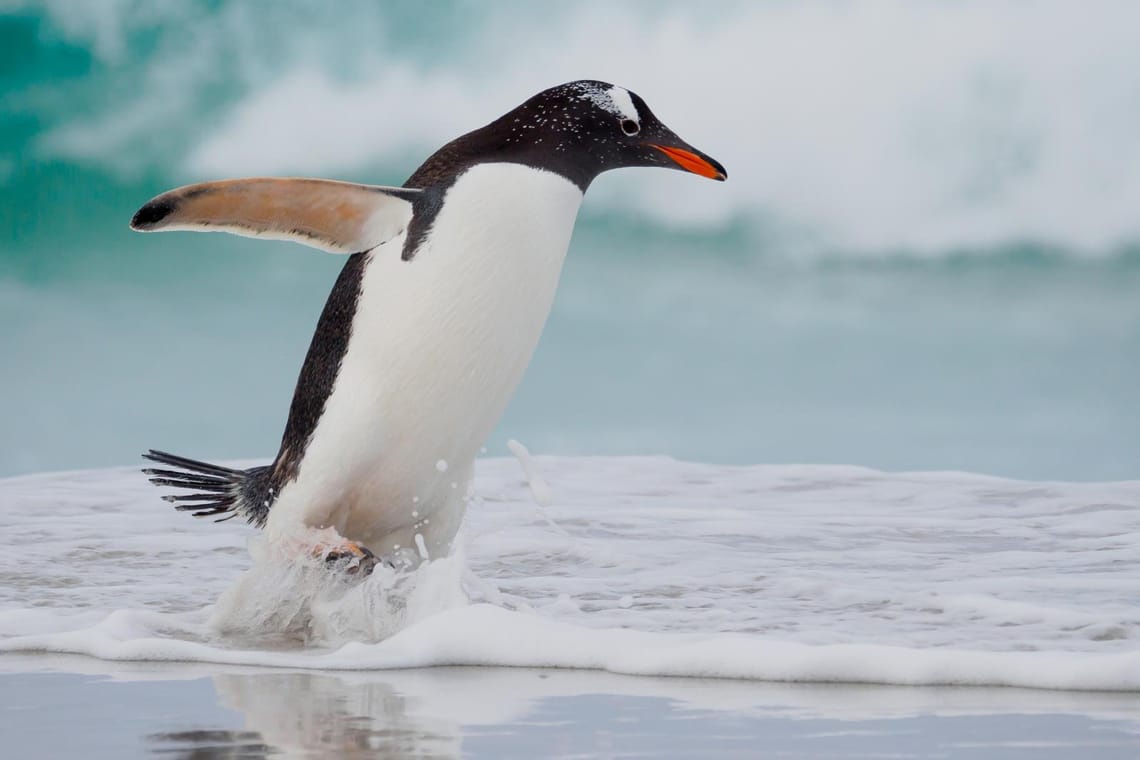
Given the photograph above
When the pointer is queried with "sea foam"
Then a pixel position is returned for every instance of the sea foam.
(652, 567)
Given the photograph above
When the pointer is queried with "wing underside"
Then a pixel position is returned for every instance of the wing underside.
(337, 217)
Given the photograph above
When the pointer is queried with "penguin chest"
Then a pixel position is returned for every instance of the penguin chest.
(438, 345)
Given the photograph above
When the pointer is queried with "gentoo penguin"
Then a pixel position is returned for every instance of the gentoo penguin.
(429, 326)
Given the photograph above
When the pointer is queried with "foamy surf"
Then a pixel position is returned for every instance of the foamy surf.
(993, 132)
(655, 567)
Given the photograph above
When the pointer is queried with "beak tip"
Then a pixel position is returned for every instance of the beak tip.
(694, 162)
(720, 174)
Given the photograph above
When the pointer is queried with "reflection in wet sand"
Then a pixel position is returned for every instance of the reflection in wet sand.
(497, 712)
(211, 745)
(318, 716)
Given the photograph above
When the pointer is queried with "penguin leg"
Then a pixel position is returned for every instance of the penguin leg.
(336, 551)
(356, 559)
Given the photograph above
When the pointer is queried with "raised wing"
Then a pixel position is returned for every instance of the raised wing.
(338, 217)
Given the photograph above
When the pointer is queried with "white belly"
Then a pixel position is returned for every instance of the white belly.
(438, 346)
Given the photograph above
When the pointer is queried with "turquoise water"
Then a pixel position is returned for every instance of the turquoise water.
(926, 256)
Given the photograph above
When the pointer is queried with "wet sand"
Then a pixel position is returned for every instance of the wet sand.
(77, 707)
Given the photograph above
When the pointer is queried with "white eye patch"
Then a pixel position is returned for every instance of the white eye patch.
(623, 104)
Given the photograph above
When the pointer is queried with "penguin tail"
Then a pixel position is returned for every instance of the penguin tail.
(216, 491)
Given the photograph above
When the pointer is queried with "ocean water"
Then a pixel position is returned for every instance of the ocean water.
(596, 607)
(841, 453)
(925, 257)
(639, 566)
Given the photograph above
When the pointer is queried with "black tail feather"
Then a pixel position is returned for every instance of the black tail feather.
(212, 488)
(191, 497)
(217, 490)
(193, 465)
(180, 475)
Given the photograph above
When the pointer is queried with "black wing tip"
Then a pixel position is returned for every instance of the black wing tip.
(152, 213)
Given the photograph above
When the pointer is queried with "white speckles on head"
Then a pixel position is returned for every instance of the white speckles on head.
(441, 465)
(616, 100)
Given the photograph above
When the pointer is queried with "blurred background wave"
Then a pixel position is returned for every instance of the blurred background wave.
(927, 255)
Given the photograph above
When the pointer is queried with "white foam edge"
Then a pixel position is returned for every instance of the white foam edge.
(486, 635)
(461, 693)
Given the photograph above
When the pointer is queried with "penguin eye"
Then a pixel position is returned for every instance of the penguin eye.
(630, 127)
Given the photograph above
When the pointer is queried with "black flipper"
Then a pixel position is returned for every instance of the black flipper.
(216, 490)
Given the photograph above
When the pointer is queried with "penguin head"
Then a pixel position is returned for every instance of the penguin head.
(613, 128)
(579, 130)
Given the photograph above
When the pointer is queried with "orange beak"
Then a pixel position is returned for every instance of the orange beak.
(691, 162)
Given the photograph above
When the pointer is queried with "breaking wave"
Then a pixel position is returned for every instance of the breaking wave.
(920, 128)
